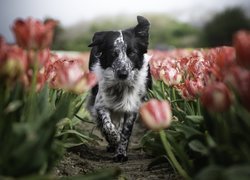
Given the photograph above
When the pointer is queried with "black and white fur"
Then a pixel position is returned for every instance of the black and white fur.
(119, 60)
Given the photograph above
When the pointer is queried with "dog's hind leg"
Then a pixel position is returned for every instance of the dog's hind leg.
(121, 151)
(107, 128)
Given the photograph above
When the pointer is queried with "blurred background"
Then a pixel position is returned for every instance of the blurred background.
(174, 24)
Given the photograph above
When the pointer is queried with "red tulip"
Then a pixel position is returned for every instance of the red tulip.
(223, 57)
(33, 34)
(190, 89)
(3, 49)
(239, 79)
(69, 75)
(15, 62)
(42, 57)
(170, 76)
(241, 42)
(156, 114)
(216, 97)
(155, 65)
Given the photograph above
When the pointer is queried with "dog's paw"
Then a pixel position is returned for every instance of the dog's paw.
(120, 158)
(111, 149)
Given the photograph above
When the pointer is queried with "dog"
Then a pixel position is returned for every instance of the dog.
(119, 60)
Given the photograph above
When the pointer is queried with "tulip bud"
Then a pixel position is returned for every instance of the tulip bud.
(170, 76)
(69, 75)
(15, 63)
(33, 34)
(241, 43)
(216, 97)
(156, 114)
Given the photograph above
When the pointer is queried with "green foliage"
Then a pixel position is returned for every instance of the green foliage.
(34, 131)
(27, 137)
(220, 30)
(165, 32)
(207, 145)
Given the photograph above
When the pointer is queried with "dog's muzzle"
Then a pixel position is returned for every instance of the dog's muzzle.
(122, 66)
(122, 74)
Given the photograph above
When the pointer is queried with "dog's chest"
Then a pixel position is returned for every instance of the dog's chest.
(121, 98)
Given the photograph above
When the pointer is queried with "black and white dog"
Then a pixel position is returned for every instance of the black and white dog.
(119, 60)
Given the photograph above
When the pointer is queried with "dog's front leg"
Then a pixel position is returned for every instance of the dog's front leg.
(107, 128)
(121, 151)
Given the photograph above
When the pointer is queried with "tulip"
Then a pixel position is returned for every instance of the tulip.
(14, 64)
(155, 65)
(156, 114)
(223, 57)
(194, 87)
(69, 75)
(170, 76)
(241, 42)
(239, 79)
(33, 34)
(216, 97)
(3, 49)
(42, 57)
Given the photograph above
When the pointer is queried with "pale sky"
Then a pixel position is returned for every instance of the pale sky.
(69, 12)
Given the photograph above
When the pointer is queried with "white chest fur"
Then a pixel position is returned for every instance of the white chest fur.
(121, 96)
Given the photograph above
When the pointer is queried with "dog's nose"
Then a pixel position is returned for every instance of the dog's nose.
(122, 74)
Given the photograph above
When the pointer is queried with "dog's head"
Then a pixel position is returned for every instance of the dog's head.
(122, 52)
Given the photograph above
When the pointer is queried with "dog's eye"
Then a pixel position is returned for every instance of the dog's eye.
(132, 54)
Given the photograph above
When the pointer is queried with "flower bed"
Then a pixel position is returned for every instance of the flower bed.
(40, 94)
(198, 115)
(208, 90)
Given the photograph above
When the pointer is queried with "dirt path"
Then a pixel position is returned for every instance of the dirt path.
(85, 159)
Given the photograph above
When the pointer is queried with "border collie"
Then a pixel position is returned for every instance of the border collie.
(119, 60)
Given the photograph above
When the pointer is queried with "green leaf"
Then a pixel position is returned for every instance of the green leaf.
(212, 172)
(158, 161)
(195, 118)
(198, 146)
(84, 119)
(70, 144)
(241, 172)
(13, 106)
(74, 132)
(188, 131)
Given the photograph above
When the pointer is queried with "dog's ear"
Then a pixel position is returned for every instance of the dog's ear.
(142, 28)
(97, 39)
(142, 32)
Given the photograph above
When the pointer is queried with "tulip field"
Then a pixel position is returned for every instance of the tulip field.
(208, 90)
(197, 115)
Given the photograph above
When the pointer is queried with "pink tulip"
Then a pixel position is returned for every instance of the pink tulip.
(14, 63)
(241, 42)
(156, 114)
(69, 75)
(42, 57)
(239, 78)
(3, 49)
(223, 57)
(155, 65)
(216, 97)
(33, 34)
(170, 76)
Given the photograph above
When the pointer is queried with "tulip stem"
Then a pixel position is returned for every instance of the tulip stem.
(171, 155)
(34, 76)
(173, 93)
(31, 113)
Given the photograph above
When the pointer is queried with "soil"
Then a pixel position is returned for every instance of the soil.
(90, 158)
